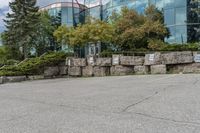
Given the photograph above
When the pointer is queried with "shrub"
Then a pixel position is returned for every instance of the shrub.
(33, 66)
(11, 62)
(182, 47)
(156, 45)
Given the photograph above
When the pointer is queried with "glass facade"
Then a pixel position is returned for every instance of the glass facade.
(180, 18)
(68, 11)
(179, 15)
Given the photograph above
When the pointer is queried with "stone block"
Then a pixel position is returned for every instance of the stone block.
(101, 71)
(153, 59)
(158, 69)
(11, 79)
(103, 61)
(87, 71)
(91, 60)
(36, 77)
(170, 58)
(51, 71)
(191, 68)
(1, 80)
(139, 60)
(62, 64)
(175, 69)
(196, 56)
(127, 60)
(177, 57)
(141, 69)
(122, 70)
(185, 57)
(74, 71)
(63, 70)
(76, 62)
(116, 59)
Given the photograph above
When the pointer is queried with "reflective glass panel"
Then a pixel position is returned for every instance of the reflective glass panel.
(180, 16)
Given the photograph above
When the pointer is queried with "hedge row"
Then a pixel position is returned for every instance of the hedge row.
(33, 66)
(162, 48)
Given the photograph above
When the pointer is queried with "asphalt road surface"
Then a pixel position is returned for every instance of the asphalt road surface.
(127, 104)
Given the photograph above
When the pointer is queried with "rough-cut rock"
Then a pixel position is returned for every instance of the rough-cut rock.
(184, 68)
(103, 61)
(132, 60)
(139, 60)
(62, 64)
(63, 70)
(88, 71)
(35, 77)
(122, 70)
(91, 60)
(51, 71)
(141, 69)
(158, 69)
(191, 68)
(2, 79)
(170, 58)
(116, 59)
(153, 59)
(177, 57)
(185, 57)
(101, 71)
(74, 71)
(127, 60)
(76, 62)
(11, 79)
(196, 56)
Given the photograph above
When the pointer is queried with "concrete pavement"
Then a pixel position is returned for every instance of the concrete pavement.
(127, 104)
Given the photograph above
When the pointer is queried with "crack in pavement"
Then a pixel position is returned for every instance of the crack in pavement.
(141, 101)
(196, 81)
(167, 119)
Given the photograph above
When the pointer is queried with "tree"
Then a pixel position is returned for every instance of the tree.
(44, 39)
(21, 25)
(94, 31)
(134, 30)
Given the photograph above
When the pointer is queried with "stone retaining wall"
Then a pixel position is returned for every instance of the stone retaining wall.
(153, 63)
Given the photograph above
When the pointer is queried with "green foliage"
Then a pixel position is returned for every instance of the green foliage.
(6, 56)
(33, 66)
(156, 45)
(11, 62)
(2, 55)
(182, 47)
(21, 25)
(134, 30)
(93, 31)
(44, 39)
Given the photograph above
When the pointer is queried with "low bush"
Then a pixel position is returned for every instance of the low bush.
(33, 66)
(159, 45)
(182, 47)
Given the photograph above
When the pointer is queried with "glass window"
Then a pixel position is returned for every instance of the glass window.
(116, 2)
(180, 15)
(179, 3)
(172, 37)
(152, 2)
(69, 15)
(95, 12)
(159, 4)
(64, 16)
(141, 5)
(169, 3)
(169, 16)
(54, 11)
(181, 34)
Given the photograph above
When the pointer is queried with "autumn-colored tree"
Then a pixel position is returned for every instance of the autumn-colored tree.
(93, 31)
(134, 30)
